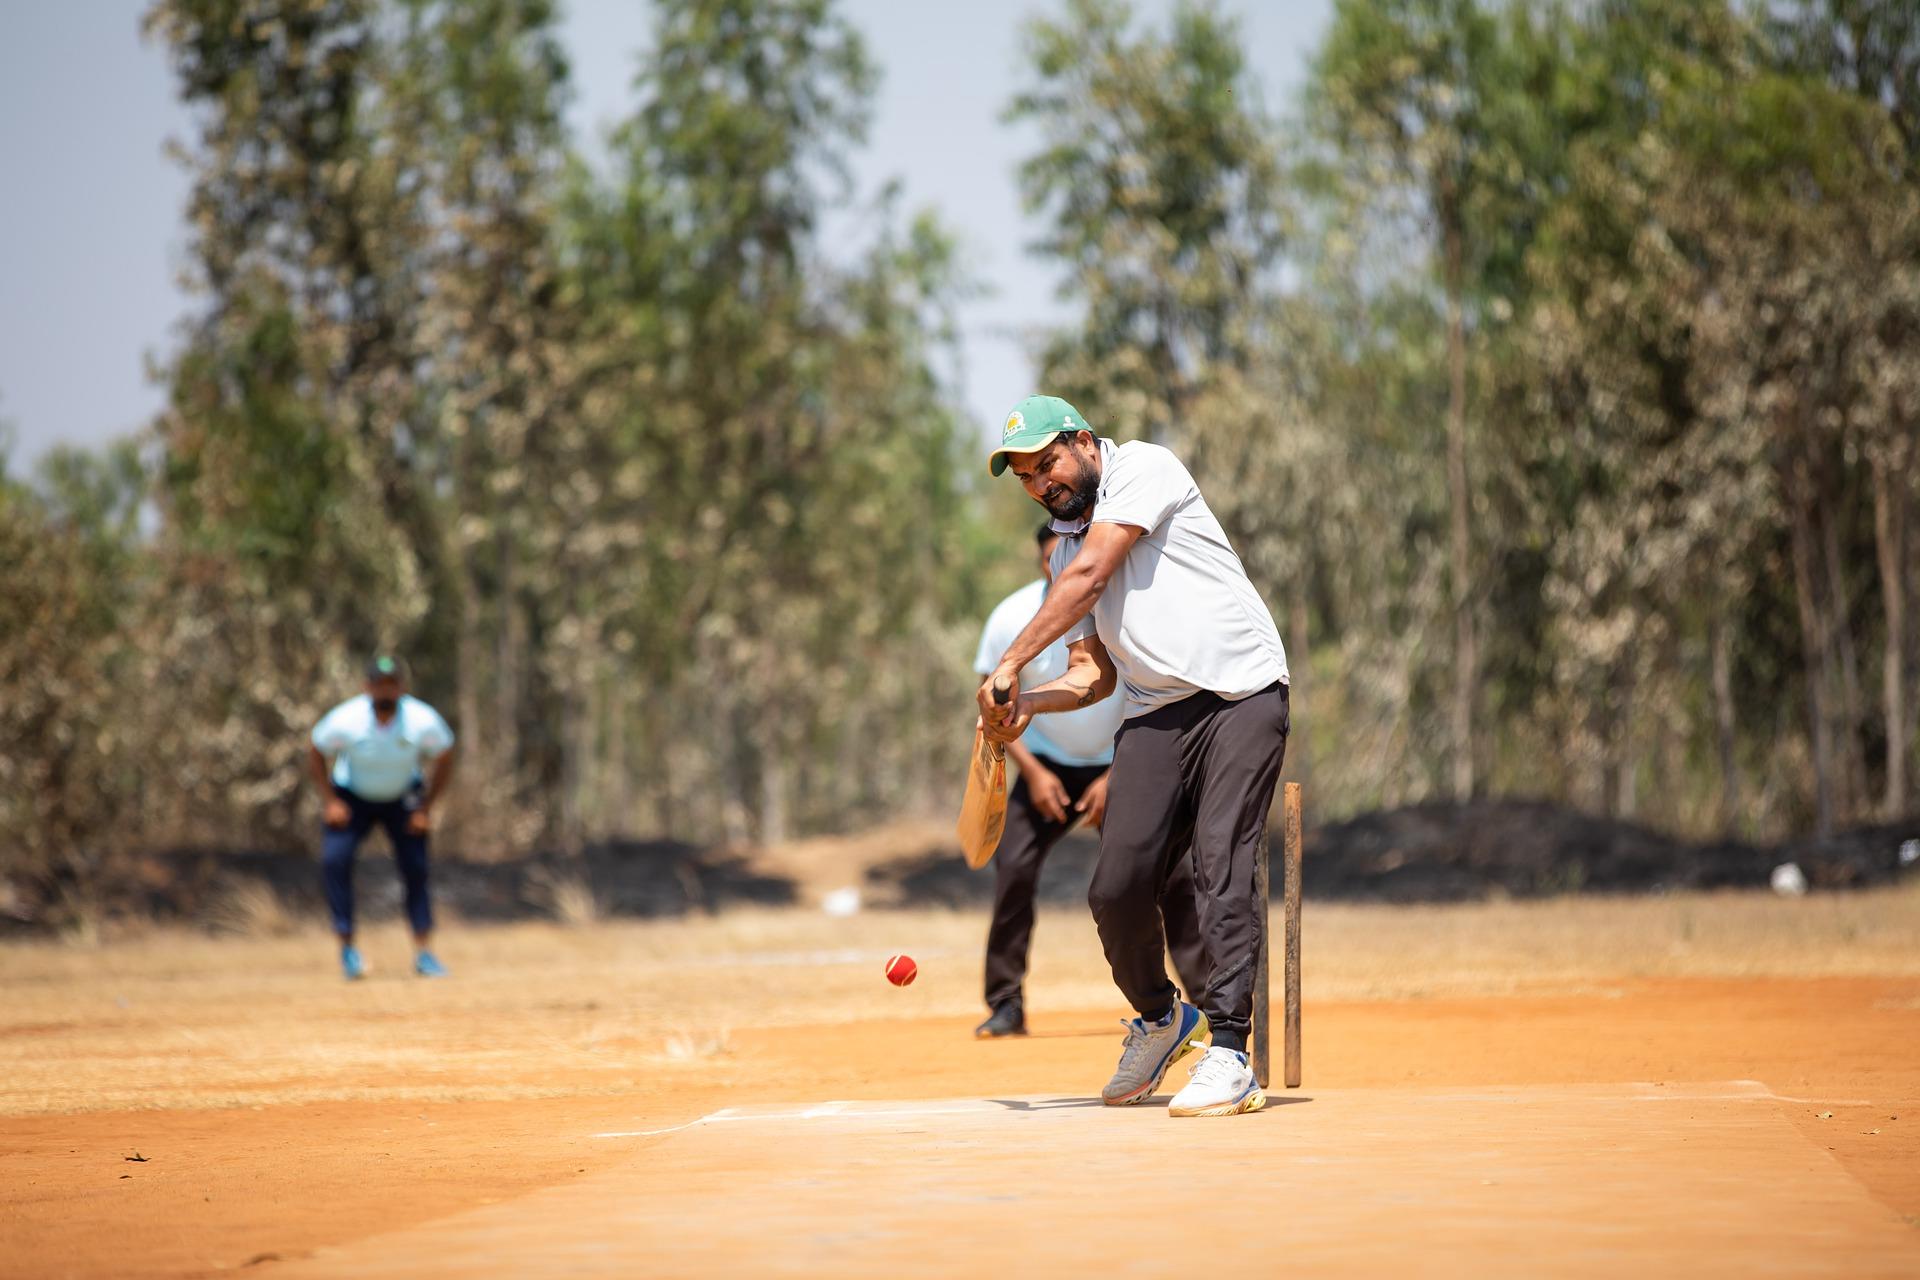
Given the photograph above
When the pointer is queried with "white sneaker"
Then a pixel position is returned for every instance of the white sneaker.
(1150, 1050)
(1222, 1084)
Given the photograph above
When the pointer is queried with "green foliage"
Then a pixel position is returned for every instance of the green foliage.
(1158, 182)
(648, 489)
(1551, 368)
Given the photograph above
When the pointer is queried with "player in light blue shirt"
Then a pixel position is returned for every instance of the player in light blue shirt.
(381, 759)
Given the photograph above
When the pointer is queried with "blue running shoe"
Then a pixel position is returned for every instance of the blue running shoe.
(1150, 1050)
(351, 964)
(427, 967)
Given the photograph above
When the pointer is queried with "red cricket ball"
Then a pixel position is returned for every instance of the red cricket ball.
(901, 969)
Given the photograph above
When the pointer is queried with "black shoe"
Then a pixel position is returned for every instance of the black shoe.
(1007, 1020)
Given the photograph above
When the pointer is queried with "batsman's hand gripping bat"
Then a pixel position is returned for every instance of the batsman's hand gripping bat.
(983, 813)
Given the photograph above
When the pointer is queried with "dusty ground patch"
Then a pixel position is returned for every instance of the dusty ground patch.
(280, 1110)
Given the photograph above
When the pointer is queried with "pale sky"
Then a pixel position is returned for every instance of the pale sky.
(91, 236)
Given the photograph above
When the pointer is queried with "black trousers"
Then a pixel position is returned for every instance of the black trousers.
(1199, 774)
(1017, 860)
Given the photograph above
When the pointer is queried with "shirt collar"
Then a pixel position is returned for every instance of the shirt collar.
(1074, 528)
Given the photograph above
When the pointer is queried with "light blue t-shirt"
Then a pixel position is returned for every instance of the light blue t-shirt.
(1083, 737)
(380, 761)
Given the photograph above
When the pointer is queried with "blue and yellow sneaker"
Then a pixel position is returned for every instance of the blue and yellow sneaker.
(1150, 1049)
(426, 966)
(351, 964)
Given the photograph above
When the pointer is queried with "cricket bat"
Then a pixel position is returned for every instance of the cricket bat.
(983, 813)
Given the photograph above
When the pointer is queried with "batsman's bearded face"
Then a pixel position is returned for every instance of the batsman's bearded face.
(1061, 477)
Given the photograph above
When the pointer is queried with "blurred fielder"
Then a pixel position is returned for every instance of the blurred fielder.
(1150, 597)
(381, 759)
(1063, 779)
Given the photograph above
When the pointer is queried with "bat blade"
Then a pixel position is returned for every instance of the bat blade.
(983, 811)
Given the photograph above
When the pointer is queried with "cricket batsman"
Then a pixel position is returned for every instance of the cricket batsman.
(1154, 604)
(1063, 780)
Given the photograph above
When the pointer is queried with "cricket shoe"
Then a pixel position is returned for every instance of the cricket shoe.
(1009, 1018)
(427, 966)
(351, 964)
(1150, 1050)
(1222, 1084)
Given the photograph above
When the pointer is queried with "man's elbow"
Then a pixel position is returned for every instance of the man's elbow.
(1089, 580)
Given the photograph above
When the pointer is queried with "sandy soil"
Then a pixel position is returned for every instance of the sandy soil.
(277, 1111)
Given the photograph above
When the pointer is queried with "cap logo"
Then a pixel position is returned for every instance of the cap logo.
(1015, 421)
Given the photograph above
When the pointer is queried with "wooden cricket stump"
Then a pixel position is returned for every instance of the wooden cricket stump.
(1290, 981)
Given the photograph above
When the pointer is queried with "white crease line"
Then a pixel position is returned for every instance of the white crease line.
(1745, 1091)
(648, 1133)
(820, 1111)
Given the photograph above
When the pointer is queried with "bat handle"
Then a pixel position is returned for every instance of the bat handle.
(1001, 692)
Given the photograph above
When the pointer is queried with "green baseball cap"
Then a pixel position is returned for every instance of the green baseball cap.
(386, 667)
(1032, 426)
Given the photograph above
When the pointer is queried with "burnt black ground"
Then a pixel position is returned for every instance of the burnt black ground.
(1422, 853)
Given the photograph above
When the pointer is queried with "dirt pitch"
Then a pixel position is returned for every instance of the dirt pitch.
(1721, 1084)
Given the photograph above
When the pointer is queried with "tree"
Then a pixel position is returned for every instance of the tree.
(1403, 85)
(1158, 181)
(1872, 50)
(72, 575)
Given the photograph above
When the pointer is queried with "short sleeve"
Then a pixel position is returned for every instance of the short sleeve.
(1144, 486)
(1079, 630)
(987, 657)
(331, 736)
(435, 735)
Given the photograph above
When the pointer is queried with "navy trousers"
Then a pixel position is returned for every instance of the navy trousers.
(339, 845)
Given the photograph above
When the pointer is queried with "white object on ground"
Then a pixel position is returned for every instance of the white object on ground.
(842, 902)
(1788, 880)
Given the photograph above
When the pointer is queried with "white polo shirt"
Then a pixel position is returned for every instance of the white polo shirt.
(380, 761)
(1179, 616)
(1083, 736)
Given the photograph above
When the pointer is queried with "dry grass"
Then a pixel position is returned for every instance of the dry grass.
(173, 1019)
(567, 898)
(252, 910)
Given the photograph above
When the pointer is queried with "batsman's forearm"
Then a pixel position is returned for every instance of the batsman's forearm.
(1069, 600)
(1069, 693)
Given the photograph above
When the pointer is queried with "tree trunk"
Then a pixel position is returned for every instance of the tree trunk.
(1813, 641)
(770, 741)
(469, 800)
(509, 663)
(618, 818)
(1465, 659)
(1889, 538)
(573, 732)
(735, 809)
(1852, 755)
(589, 820)
(1623, 778)
(1720, 646)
